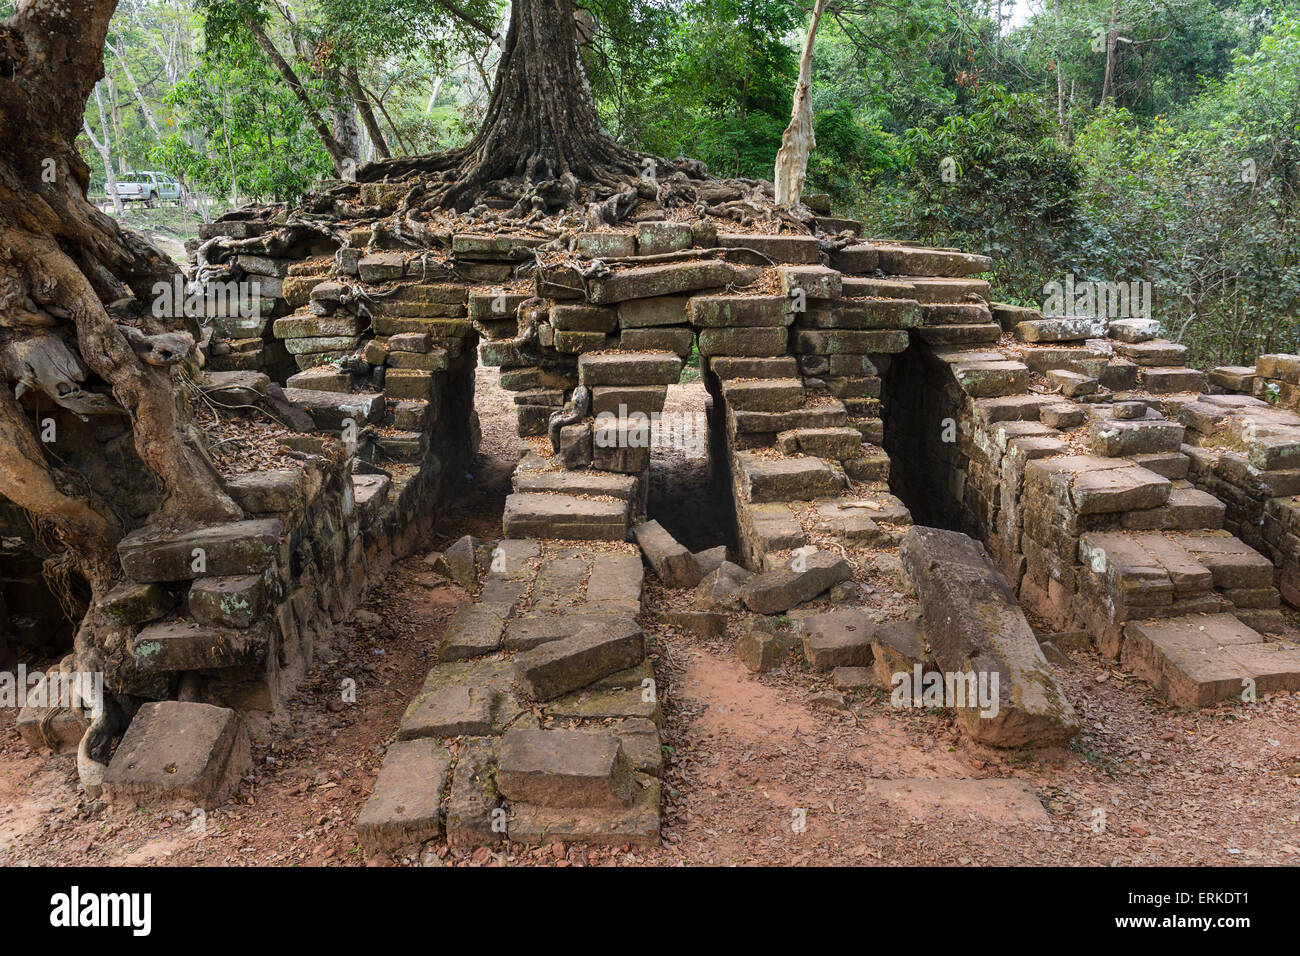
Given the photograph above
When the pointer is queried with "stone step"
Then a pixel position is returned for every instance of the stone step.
(665, 280)
(404, 808)
(1060, 329)
(555, 668)
(732, 367)
(178, 755)
(946, 335)
(821, 415)
(565, 768)
(1118, 438)
(594, 484)
(956, 313)
(764, 395)
(1134, 330)
(1159, 380)
(739, 311)
(1200, 659)
(834, 444)
(629, 368)
(1153, 352)
(325, 379)
(929, 289)
(540, 515)
(331, 410)
(765, 478)
(838, 638)
(780, 249)
(992, 379)
(1188, 509)
(237, 547)
(1073, 384)
(919, 261)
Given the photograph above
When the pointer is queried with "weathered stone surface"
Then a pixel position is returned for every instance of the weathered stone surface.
(739, 311)
(661, 236)
(240, 547)
(183, 645)
(896, 647)
(629, 368)
(474, 630)
(235, 601)
(473, 814)
(766, 341)
(800, 579)
(565, 768)
(720, 589)
(330, 410)
(624, 400)
(129, 603)
(677, 339)
(459, 562)
(786, 479)
(596, 651)
(673, 279)
(975, 626)
(536, 515)
(765, 395)
(181, 755)
(673, 564)
(637, 825)
(839, 638)
(712, 559)
(449, 711)
(404, 808)
(763, 645)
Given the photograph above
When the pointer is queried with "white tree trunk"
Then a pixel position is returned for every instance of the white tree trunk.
(105, 153)
(798, 140)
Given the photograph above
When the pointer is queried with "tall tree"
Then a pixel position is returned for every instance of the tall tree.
(799, 141)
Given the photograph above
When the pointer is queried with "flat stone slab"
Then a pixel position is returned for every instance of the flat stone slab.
(598, 650)
(766, 480)
(404, 808)
(593, 483)
(474, 817)
(540, 515)
(672, 279)
(975, 627)
(539, 627)
(565, 768)
(178, 754)
(183, 645)
(801, 579)
(637, 825)
(474, 630)
(449, 711)
(629, 368)
(1002, 801)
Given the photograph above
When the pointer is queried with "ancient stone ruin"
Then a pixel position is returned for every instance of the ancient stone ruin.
(873, 416)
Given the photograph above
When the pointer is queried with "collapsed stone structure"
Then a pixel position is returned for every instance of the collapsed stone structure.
(855, 386)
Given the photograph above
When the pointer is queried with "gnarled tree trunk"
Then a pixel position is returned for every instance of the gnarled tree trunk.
(76, 332)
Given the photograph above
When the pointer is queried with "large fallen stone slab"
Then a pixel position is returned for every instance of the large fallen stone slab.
(975, 627)
(180, 755)
(801, 579)
(565, 768)
(474, 630)
(404, 808)
(672, 562)
(598, 650)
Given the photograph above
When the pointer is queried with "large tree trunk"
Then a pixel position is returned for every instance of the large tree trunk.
(540, 127)
(77, 340)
